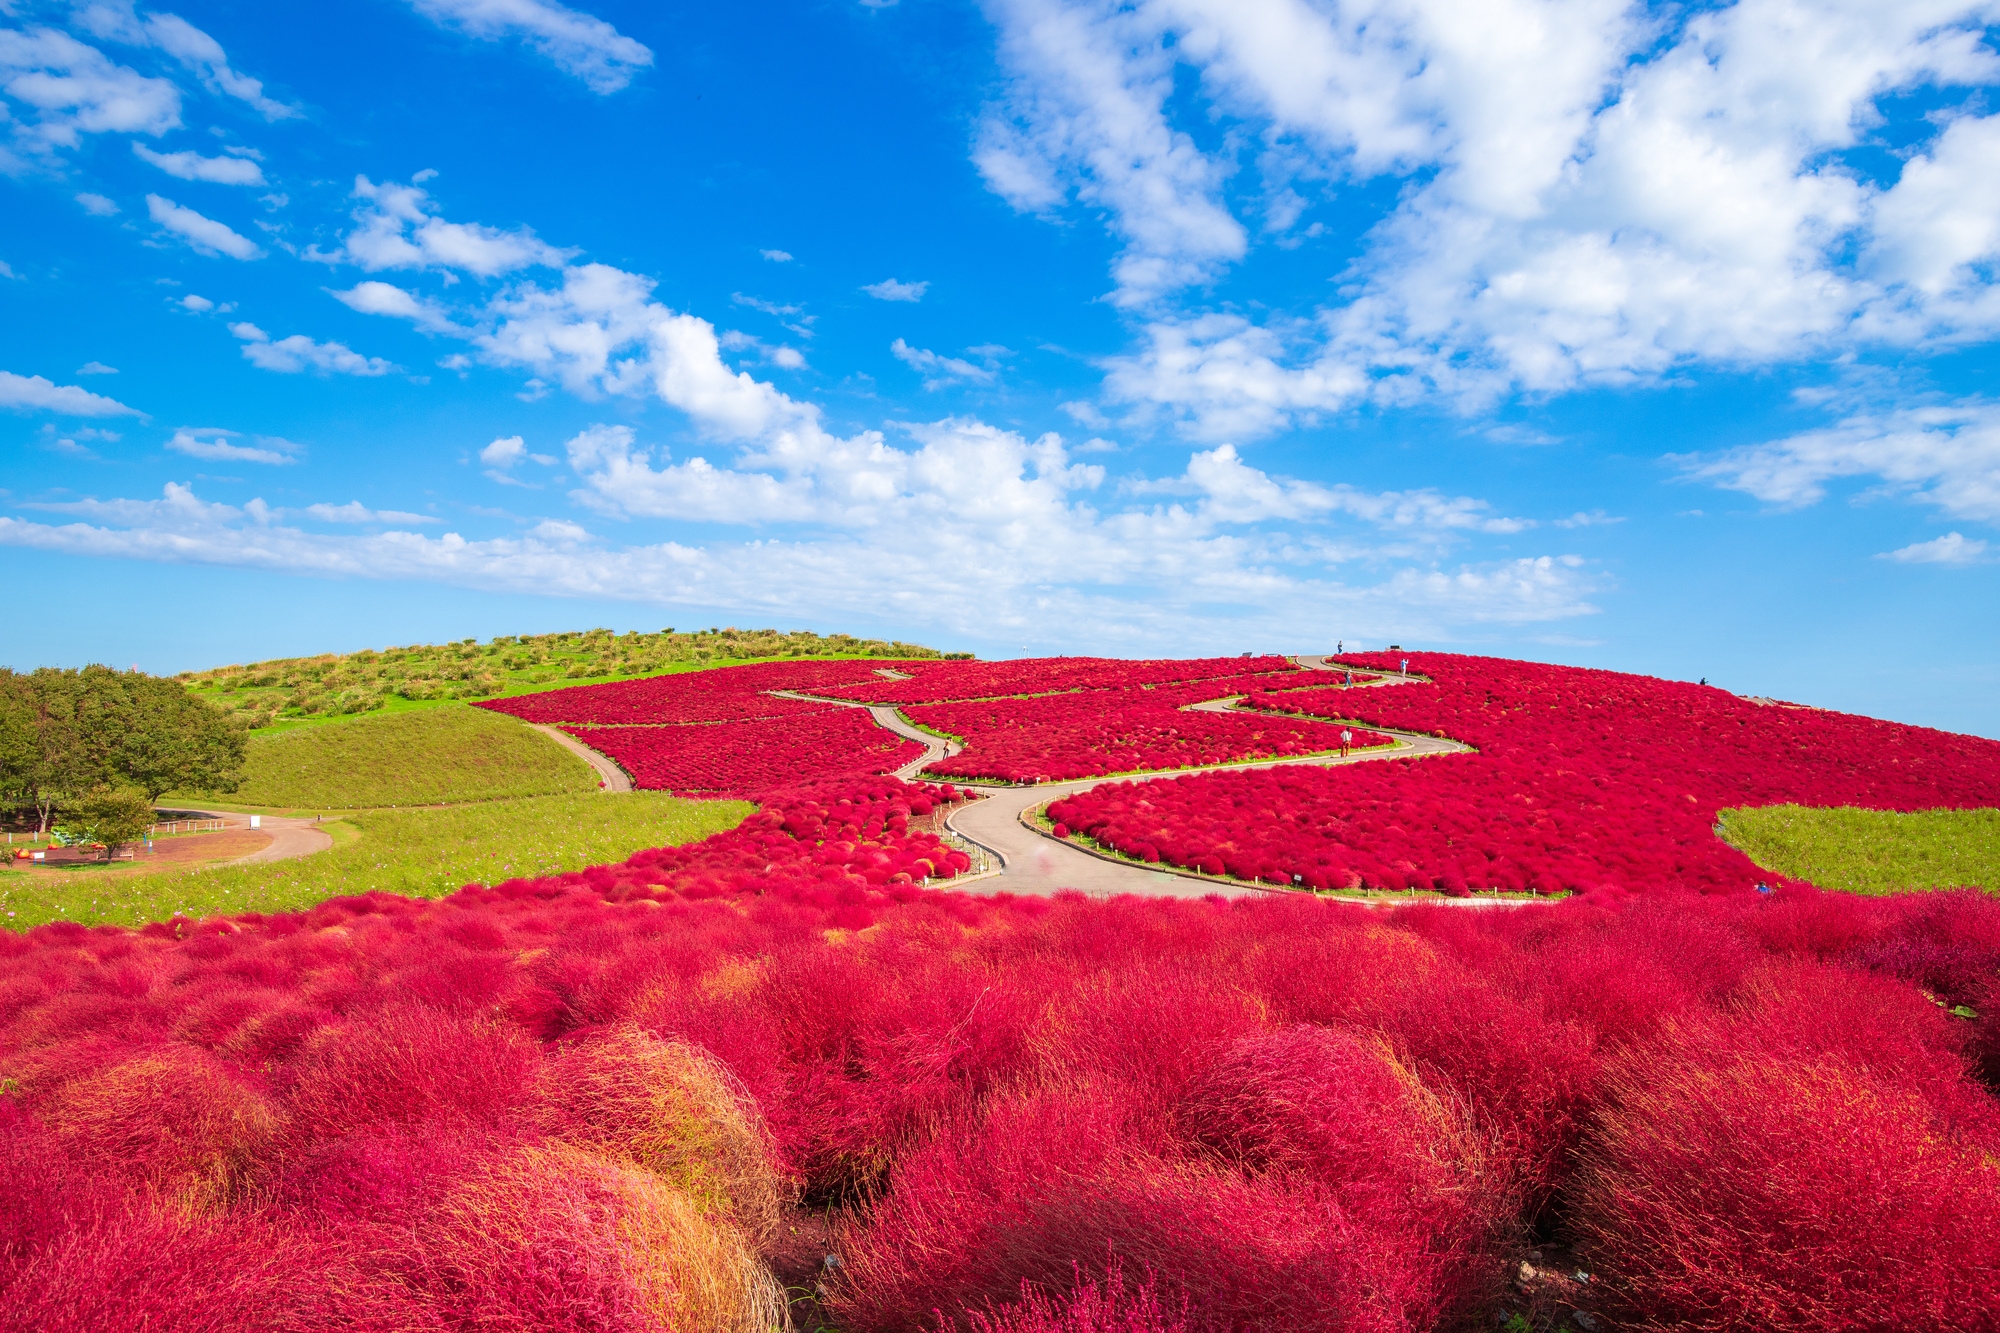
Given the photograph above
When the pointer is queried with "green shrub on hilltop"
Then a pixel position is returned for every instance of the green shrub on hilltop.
(334, 685)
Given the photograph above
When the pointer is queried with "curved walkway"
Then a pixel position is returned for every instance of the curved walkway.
(291, 836)
(613, 777)
(935, 747)
(1034, 863)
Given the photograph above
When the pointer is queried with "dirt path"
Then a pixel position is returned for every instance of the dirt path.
(935, 748)
(1034, 863)
(614, 778)
(290, 836)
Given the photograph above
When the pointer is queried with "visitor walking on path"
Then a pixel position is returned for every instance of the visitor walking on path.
(1346, 739)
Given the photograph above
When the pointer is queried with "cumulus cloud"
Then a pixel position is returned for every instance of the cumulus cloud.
(891, 290)
(1942, 454)
(1033, 562)
(191, 166)
(356, 512)
(1950, 549)
(382, 298)
(579, 44)
(777, 256)
(398, 229)
(74, 89)
(1588, 195)
(1232, 491)
(96, 368)
(213, 445)
(33, 393)
(297, 353)
(502, 454)
(939, 371)
(122, 21)
(97, 205)
(206, 235)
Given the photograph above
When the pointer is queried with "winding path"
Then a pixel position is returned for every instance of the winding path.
(615, 779)
(1032, 862)
(291, 836)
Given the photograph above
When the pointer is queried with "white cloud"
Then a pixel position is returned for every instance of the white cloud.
(1950, 549)
(579, 44)
(1234, 492)
(891, 290)
(75, 89)
(398, 230)
(382, 298)
(356, 512)
(213, 444)
(777, 256)
(121, 21)
(195, 303)
(1590, 194)
(32, 393)
(937, 370)
(1031, 561)
(205, 234)
(1947, 455)
(560, 530)
(1086, 116)
(96, 368)
(793, 317)
(97, 205)
(504, 452)
(1596, 518)
(291, 355)
(194, 167)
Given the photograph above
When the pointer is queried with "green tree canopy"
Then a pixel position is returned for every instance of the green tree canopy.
(66, 733)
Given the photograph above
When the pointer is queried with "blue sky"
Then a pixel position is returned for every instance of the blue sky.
(1652, 338)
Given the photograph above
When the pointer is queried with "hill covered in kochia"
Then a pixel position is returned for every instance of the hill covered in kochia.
(333, 684)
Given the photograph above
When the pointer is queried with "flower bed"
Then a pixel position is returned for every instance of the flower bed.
(937, 682)
(1061, 737)
(722, 694)
(748, 758)
(584, 1102)
(1583, 779)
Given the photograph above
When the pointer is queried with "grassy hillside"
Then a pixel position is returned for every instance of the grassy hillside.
(434, 756)
(420, 853)
(398, 679)
(1871, 851)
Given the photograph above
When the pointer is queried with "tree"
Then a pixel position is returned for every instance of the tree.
(64, 734)
(109, 815)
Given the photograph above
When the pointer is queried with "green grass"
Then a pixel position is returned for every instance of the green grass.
(438, 756)
(1871, 851)
(287, 692)
(420, 853)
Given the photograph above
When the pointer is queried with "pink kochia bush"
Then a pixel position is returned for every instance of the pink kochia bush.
(751, 757)
(726, 732)
(1584, 779)
(584, 1102)
(1058, 737)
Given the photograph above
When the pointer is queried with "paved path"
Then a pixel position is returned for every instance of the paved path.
(613, 777)
(290, 836)
(1034, 863)
(935, 747)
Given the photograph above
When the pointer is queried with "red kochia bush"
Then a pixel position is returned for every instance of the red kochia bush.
(750, 758)
(571, 1102)
(1727, 1191)
(1583, 779)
